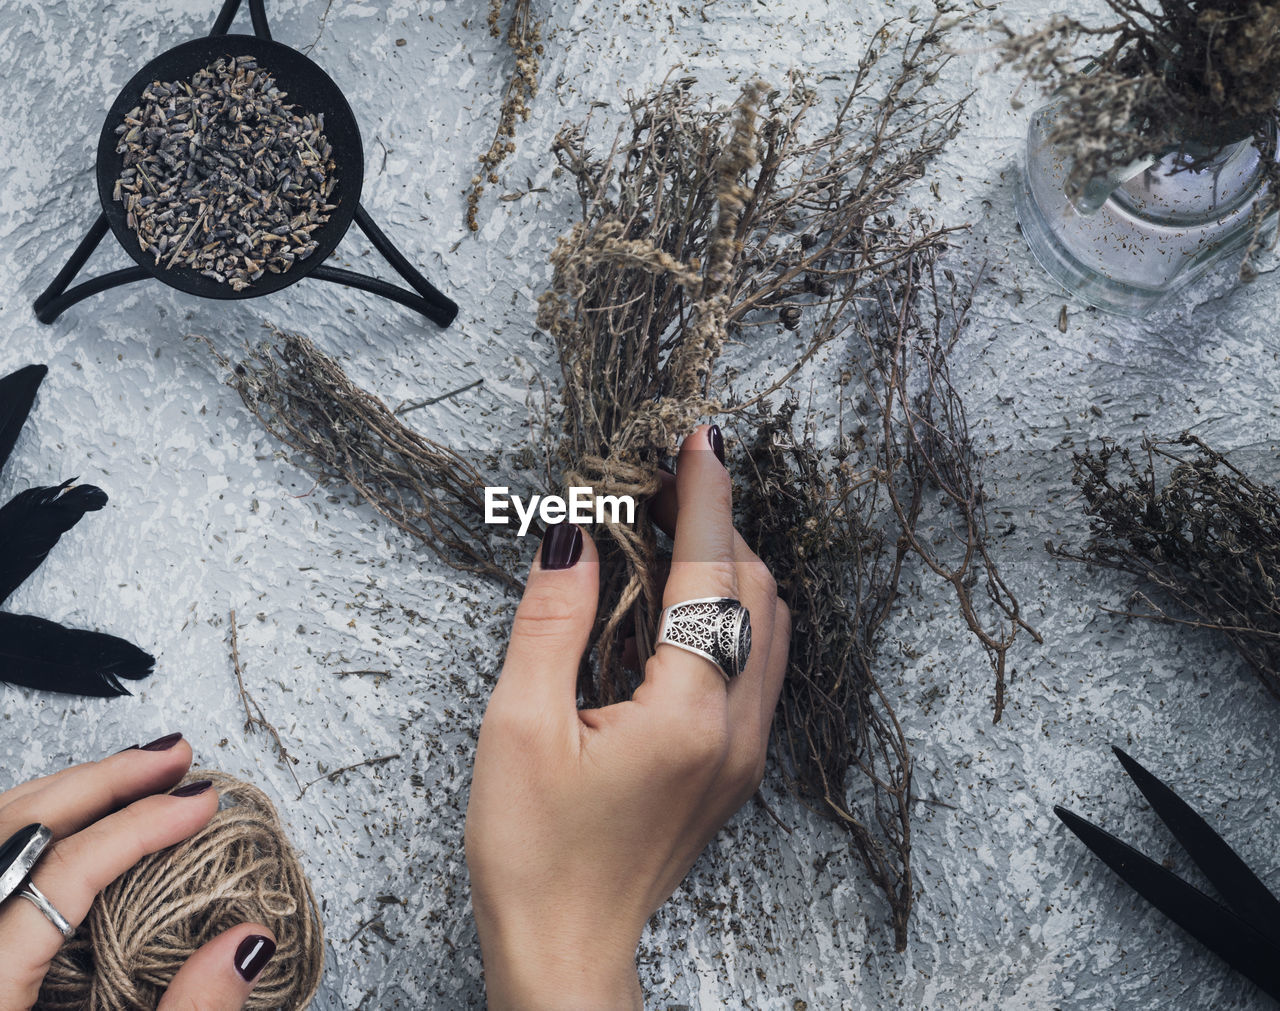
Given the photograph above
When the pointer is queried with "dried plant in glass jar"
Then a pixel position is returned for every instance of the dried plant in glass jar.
(1156, 158)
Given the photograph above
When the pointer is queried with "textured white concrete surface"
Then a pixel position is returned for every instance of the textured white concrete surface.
(206, 516)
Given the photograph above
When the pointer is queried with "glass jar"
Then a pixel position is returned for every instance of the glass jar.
(1129, 241)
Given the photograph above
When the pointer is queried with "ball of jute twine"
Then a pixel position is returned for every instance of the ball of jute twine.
(149, 921)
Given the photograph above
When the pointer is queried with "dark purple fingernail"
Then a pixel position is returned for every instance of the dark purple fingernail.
(192, 789)
(666, 468)
(162, 743)
(254, 953)
(562, 546)
(717, 443)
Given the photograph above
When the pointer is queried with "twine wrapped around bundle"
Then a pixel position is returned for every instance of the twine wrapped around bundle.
(634, 541)
(639, 320)
(151, 919)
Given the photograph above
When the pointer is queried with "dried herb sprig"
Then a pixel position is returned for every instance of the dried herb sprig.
(927, 455)
(819, 521)
(524, 38)
(840, 527)
(704, 226)
(1177, 75)
(346, 434)
(1201, 536)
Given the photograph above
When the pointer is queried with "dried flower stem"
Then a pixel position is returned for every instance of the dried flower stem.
(254, 718)
(524, 36)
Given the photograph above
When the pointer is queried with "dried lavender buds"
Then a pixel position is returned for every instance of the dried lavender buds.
(222, 177)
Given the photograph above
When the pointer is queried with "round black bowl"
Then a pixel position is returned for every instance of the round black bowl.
(306, 86)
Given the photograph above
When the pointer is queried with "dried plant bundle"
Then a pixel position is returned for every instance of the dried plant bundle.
(1175, 75)
(704, 227)
(1200, 534)
(347, 435)
(524, 39)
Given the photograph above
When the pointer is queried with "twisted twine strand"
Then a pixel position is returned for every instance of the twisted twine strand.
(610, 476)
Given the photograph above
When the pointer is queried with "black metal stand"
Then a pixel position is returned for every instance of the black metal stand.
(425, 298)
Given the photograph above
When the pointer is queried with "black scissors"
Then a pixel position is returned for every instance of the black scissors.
(1245, 931)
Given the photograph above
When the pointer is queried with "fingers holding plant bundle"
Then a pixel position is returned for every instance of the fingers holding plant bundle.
(702, 561)
(551, 627)
(704, 571)
(71, 834)
(753, 695)
(582, 823)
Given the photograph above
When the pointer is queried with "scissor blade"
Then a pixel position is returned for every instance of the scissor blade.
(1231, 876)
(1209, 922)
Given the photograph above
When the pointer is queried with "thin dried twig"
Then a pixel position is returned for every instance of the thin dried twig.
(926, 452)
(332, 777)
(254, 718)
(415, 405)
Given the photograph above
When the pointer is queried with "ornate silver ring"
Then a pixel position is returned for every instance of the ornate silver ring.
(18, 856)
(716, 628)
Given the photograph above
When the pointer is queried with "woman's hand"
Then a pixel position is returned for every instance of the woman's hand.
(105, 816)
(582, 823)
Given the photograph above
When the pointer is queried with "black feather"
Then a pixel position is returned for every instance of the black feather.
(17, 394)
(31, 523)
(42, 654)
